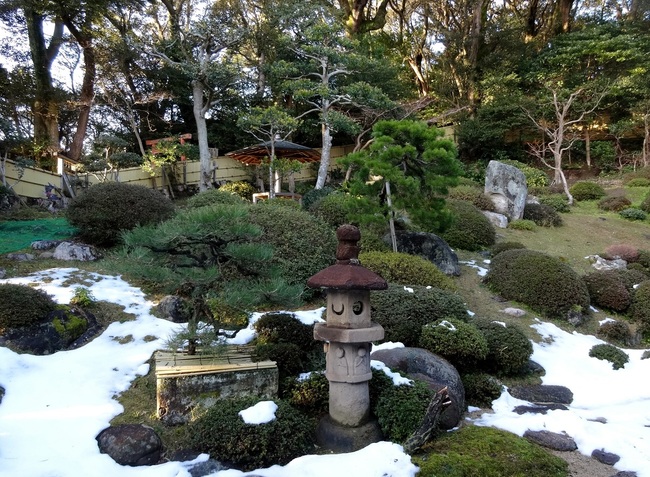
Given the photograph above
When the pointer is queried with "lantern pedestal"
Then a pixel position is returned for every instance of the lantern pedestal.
(337, 438)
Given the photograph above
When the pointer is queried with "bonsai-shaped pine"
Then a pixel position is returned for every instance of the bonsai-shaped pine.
(207, 255)
(407, 167)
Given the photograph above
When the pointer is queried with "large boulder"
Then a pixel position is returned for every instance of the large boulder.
(76, 251)
(130, 444)
(174, 309)
(429, 246)
(437, 372)
(506, 186)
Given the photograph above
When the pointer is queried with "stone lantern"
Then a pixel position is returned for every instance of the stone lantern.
(348, 333)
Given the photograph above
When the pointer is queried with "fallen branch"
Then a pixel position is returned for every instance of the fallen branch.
(439, 401)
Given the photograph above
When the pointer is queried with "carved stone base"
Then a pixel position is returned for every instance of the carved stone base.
(333, 436)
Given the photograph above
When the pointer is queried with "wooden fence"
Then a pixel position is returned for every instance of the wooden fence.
(186, 174)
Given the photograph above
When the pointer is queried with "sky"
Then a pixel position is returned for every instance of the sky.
(55, 405)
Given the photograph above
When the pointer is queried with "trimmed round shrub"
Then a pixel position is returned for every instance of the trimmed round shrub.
(645, 205)
(405, 269)
(499, 247)
(559, 202)
(607, 290)
(614, 204)
(470, 229)
(474, 195)
(289, 358)
(314, 195)
(632, 277)
(402, 313)
(644, 259)
(331, 209)
(545, 283)
(106, 210)
(243, 189)
(481, 389)
(615, 331)
(628, 253)
(284, 328)
(23, 306)
(401, 409)
(610, 353)
(310, 395)
(372, 238)
(542, 215)
(587, 190)
(639, 310)
(633, 214)
(644, 172)
(214, 197)
(222, 433)
(508, 348)
(638, 182)
(461, 343)
(522, 224)
(302, 244)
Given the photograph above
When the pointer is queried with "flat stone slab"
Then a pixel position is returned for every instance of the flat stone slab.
(607, 458)
(542, 394)
(540, 409)
(551, 440)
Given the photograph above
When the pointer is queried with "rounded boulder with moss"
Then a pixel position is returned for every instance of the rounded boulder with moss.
(545, 283)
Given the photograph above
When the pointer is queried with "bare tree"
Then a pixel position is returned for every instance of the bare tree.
(559, 129)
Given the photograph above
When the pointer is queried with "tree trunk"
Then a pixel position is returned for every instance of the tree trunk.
(646, 139)
(588, 147)
(324, 156)
(205, 180)
(85, 99)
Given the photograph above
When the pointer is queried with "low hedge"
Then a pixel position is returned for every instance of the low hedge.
(405, 269)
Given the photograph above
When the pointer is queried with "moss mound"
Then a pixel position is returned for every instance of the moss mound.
(402, 313)
(462, 344)
(405, 269)
(538, 280)
(508, 348)
(610, 353)
(470, 229)
(487, 452)
(586, 190)
(23, 306)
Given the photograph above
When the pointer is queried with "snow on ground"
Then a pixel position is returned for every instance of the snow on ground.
(55, 405)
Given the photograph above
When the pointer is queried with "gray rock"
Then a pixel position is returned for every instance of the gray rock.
(206, 468)
(534, 367)
(499, 221)
(599, 263)
(130, 444)
(539, 408)
(428, 246)
(506, 186)
(439, 372)
(46, 255)
(551, 440)
(607, 458)
(20, 257)
(542, 393)
(625, 473)
(174, 309)
(516, 312)
(45, 244)
(76, 251)
(3, 273)
(2, 393)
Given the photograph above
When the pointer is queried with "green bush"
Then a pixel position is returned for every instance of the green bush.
(487, 452)
(607, 290)
(542, 215)
(638, 182)
(558, 201)
(372, 238)
(615, 331)
(106, 210)
(243, 189)
(314, 195)
(645, 205)
(474, 195)
(538, 280)
(290, 359)
(214, 197)
(499, 247)
(331, 209)
(310, 395)
(461, 343)
(522, 224)
(405, 269)
(610, 353)
(629, 253)
(509, 349)
(281, 327)
(586, 190)
(402, 313)
(401, 409)
(23, 306)
(643, 173)
(534, 177)
(639, 310)
(633, 214)
(614, 204)
(302, 244)
(481, 389)
(222, 433)
(470, 229)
